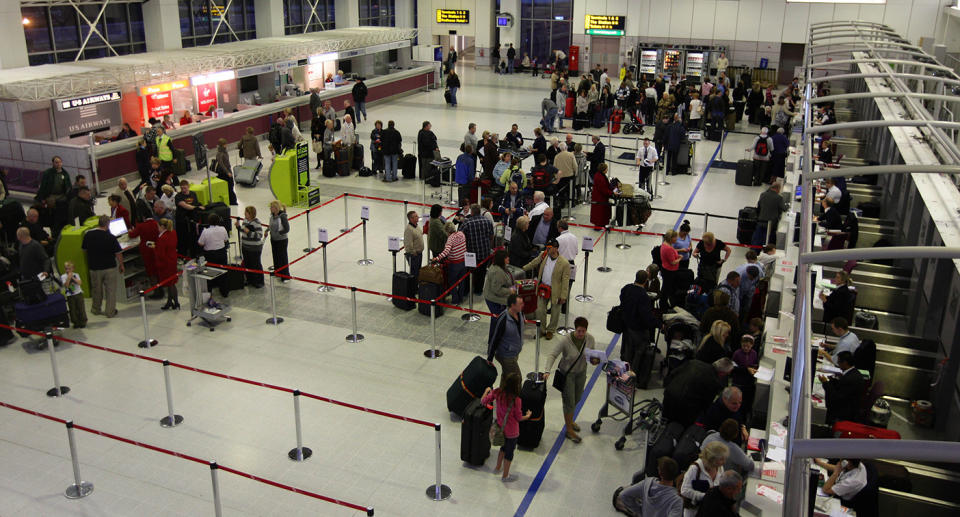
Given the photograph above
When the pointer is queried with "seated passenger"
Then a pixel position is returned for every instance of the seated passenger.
(727, 406)
(653, 497)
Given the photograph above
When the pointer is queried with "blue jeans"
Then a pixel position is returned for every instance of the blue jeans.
(510, 66)
(549, 121)
(414, 261)
(361, 108)
(390, 166)
(455, 270)
(759, 234)
(453, 95)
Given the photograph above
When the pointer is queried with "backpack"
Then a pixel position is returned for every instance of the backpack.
(761, 148)
(655, 255)
(516, 176)
(782, 120)
(275, 137)
(540, 178)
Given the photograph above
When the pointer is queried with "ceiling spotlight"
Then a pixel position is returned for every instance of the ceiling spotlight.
(26, 21)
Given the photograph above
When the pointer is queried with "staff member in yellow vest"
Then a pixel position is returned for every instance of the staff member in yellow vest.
(165, 152)
(554, 286)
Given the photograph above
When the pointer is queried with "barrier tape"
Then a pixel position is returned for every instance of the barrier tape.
(162, 282)
(465, 275)
(316, 207)
(194, 459)
(242, 219)
(314, 250)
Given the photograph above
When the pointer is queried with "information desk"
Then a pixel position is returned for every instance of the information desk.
(70, 248)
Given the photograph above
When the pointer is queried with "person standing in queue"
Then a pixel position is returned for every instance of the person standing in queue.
(505, 340)
(573, 365)
(278, 230)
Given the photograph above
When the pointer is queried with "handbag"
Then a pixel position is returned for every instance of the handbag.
(543, 291)
(317, 146)
(497, 438)
(700, 485)
(560, 379)
(615, 320)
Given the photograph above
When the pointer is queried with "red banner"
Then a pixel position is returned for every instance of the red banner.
(159, 104)
(206, 97)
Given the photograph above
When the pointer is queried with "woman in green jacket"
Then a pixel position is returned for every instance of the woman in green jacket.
(498, 283)
(436, 238)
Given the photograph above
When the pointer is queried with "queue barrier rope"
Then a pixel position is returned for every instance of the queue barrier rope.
(322, 245)
(367, 509)
(311, 209)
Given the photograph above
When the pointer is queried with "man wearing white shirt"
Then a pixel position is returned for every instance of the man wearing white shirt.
(646, 160)
(567, 242)
(833, 192)
(603, 78)
(651, 92)
(538, 204)
(847, 478)
(848, 342)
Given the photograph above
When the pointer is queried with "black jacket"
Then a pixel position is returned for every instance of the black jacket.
(532, 230)
(715, 504)
(390, 141)
(540, 145)
(359, 92)
(844, 394)
(717, 413)
(521, 249)
(511, 53)
(710, 350)
(597, 156)
(426, 143)
(840, 303)
(453, 81)
(689, 390)
(831, 219)
(636, 307)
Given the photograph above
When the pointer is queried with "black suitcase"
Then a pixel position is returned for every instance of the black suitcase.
(865, 320)
(365, 172)
(221, 210)
(404, 284)
(475, 433)
(408, 166)
(235, 279)
(744, 173)
(869, 209)
(688, 446)
(533, 396)
(357, 156)
(433, 179)
(329, 168)
(664, 446)
(746, 224)
(429, 291)
(469, 385)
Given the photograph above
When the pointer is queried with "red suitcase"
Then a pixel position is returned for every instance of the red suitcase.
(568, 108)
(527, 290)
(847, 429)
(615, 118)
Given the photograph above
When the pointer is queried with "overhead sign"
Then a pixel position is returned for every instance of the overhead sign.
(163, 87)
(214, 77)
(159, 104)
(256, 70)
(322, 58)
(89, 118)
(605, 25)
(453, 16)
(206, 98)
(89, 100)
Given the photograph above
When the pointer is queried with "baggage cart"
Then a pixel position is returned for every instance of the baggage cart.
(202, 305)
(622, 405)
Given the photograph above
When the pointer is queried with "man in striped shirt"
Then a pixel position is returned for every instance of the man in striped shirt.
(452, 256)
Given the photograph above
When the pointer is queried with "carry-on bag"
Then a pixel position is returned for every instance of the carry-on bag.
(470, 384)
(475, 433)
(533, 396)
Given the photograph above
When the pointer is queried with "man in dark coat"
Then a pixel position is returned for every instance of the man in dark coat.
(690, 389)
(427, 149)
(675, 134)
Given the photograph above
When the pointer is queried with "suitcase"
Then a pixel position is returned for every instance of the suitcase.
(357, 156)
(429, 291)
(615, 119)
(865, 320)
(847, 429)
(744, 173)
(221, 210)
(569, 106)
(730, 121)
(235, 280)
(218, 187)
(431, 273)
(408, 166)
(714, 133)
(51, 312)
(404, 284)
(533, 396)
(598, 117)
(248, 173)
(179, 162)
(329, 168)
(446, 95)
(475, 433)
(664, 446)
(683, 156)
(527, 290)
(365, 172)
(470, 384)
(688, 446)
(343, 164)
(746, 224)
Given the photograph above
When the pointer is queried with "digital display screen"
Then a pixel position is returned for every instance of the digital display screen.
(118, 227)
(453, 16)
(605, 25)
(503, 21)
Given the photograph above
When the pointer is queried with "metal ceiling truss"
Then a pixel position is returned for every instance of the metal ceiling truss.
(60, 3)
(92, 28)
(125, 75)
(223, 20)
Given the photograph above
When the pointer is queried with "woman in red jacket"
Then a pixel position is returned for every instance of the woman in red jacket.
(165, 256)
(600, 210)
(149, 232)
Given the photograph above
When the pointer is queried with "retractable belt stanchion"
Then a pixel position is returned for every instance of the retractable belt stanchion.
(172, 419)
(309, 248)
(439, 491)
(147, 342)
(79, 488)
(322, 236)
(535, 375)
(356, 337)
(586, 270)
(603, 267)
(217, 509)
(364, 216)
(298, 453)
(470, 316)
(433, 353)
(57, 389)
(394, 253)
(275, 320)
(706, 222)
(346, 222)
(623, 239)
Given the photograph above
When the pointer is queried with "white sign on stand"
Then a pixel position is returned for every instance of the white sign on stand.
(393, 243)
(507, 233)
(365, 213)
(587, 243)
(470, 259)
(322, 235)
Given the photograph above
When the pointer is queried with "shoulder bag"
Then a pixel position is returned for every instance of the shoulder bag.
(560, 378)
(497, 438)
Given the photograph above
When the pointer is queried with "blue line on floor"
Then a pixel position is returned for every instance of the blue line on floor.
(700, 182)
(552, 455)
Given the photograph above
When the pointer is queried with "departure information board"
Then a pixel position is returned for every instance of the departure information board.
(605, 25)
(453, 16)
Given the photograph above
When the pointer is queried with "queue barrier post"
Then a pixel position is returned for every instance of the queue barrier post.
(274, 320)
(298, 453)
(217, 508)
(365, 261)
(470, 316)
(324, 288)
(603, 267)
(172, 419)
(535, 375)
(346, 220)
(438, 491)
(356, 337)
(309, 248)
(394, 252)
(79, 488)
(57, 389)
(565, 328)
(433, 353)
(706, 222)
(623, 242)
(147, 342)
(586, 298)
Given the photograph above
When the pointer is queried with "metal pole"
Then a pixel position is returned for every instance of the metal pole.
(147, 342)
(92, 154)
(309, 248)
(346, 222)
(394, 252)
(535, 374)
(423, 195)
(217, 510)
(356, 337)
(209, 187)
(79, 488)
(469, 316)
(299, 453)
(623, 241)
(365, 261)
(439, 491)
(433, 353)
(172, 419)
(57, 389)
(586, 269)
(275, 320)
(603, 268)
(324, 288)
(706, 222)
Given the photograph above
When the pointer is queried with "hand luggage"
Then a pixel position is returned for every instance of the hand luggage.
(746, 224)
(408, 166)
(221, 210)
(714, 133)
(730, 121)
(235, 279)
(615, 119)
(429, 291)
(683, 158)
(248, 174)
(470, 384)
(431, 273)
(329, 168)
(527, 290)
(404, 284)
(664, 446)
(533, 396)
(644, 365)
(49, 312)
(433, 179)
(446, 95)
(569, 106)
(598, 116)
(357, 156)
(865, 320)
(179, 162)
(744, 174)
(847, 429)
(343, 164)
(365, 172)
(688, 446)
(475, 433)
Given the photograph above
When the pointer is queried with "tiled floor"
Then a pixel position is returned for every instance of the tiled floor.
(358, 457)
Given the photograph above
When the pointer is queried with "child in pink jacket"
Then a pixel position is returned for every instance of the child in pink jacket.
(507, 397)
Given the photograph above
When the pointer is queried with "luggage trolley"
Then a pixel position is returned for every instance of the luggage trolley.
(202, 304)
(621, 397)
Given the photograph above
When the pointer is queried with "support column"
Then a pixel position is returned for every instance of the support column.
(13, 53)
(406, 18)
(485, 25)
(162, 29)
(511, 34)
(347, 14)
(269, 18)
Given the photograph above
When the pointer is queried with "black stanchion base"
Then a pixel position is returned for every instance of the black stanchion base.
(308, 250)
(147, 343)
(354, 338)
(165, 421)
(563, 331)
(443, 495)
(432, 354)
(78, 491)
(305, 453)
(274, 321)
(604, 269)
(534, 376)
(469, 316)
(52, 392)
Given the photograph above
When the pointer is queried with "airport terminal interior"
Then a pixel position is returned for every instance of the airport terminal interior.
(814, 143)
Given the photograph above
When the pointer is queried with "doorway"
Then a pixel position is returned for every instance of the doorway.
(606, 53)
(791, 56)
